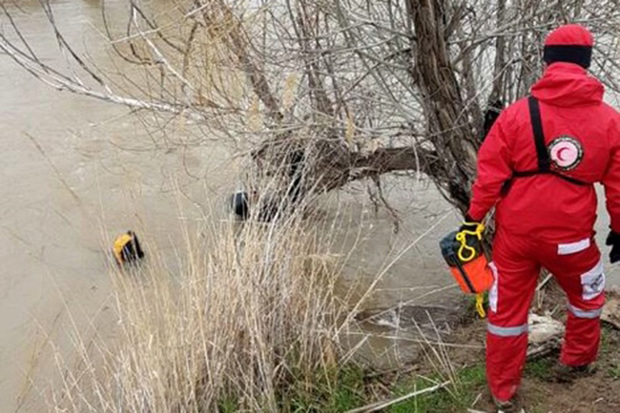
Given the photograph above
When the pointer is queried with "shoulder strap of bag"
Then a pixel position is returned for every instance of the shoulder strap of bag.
(544, 161)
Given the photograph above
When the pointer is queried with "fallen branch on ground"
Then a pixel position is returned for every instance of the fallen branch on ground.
(374, 407)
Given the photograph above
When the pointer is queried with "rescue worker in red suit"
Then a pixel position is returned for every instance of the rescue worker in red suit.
(546, 207)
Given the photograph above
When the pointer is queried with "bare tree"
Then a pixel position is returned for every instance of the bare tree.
(348, 89)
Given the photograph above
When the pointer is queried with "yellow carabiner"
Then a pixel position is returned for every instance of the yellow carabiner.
(480, 305)
(462, 238)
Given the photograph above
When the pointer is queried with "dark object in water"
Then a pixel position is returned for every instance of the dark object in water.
(239, 202)
(127, 248)
(240, 205)
(271, 206)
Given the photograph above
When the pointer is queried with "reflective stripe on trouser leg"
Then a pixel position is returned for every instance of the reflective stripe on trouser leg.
(579, 313)
(583, 336)
(507, 331)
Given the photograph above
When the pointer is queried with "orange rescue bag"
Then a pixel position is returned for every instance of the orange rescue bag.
(464, 253)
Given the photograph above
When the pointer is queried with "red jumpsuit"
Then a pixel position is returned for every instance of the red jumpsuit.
(545, 221)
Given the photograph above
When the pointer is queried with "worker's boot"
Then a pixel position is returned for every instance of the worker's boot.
(563, 373)
(509, 406)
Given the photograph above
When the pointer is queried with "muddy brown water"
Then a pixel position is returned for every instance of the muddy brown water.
(75, 172)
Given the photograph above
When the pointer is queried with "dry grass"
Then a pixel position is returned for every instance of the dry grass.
(249, 312)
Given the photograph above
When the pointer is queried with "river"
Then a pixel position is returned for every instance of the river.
(77, 171)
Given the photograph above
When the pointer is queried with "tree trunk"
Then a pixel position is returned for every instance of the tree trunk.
(448, 126)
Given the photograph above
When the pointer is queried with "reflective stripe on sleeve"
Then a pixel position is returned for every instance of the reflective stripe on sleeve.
(579, 313)
(507, 331)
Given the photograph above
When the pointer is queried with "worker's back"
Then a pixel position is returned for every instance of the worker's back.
(581, 133)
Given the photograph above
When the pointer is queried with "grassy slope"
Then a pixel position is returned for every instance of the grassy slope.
(600, 393)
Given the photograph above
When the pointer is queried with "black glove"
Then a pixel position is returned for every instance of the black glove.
(613, 239)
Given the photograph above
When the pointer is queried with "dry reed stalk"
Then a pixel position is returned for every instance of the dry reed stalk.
(250, 311)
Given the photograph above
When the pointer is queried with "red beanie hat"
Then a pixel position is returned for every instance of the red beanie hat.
(570, 43)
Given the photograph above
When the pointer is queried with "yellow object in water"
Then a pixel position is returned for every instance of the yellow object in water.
(119, 244)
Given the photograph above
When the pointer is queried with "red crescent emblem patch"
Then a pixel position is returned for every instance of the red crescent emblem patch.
(565, 152)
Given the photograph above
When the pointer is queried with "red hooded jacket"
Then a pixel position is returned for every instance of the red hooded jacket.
(582, 134)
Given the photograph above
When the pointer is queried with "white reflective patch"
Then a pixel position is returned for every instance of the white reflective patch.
(493, 290)
(591, 314)
(573, 247)
(507, 331)
(593, 282)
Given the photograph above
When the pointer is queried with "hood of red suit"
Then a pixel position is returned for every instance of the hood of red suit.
(569, 85)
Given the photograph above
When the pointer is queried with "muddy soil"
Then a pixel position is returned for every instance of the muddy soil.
(539, 392)
(599, 393)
